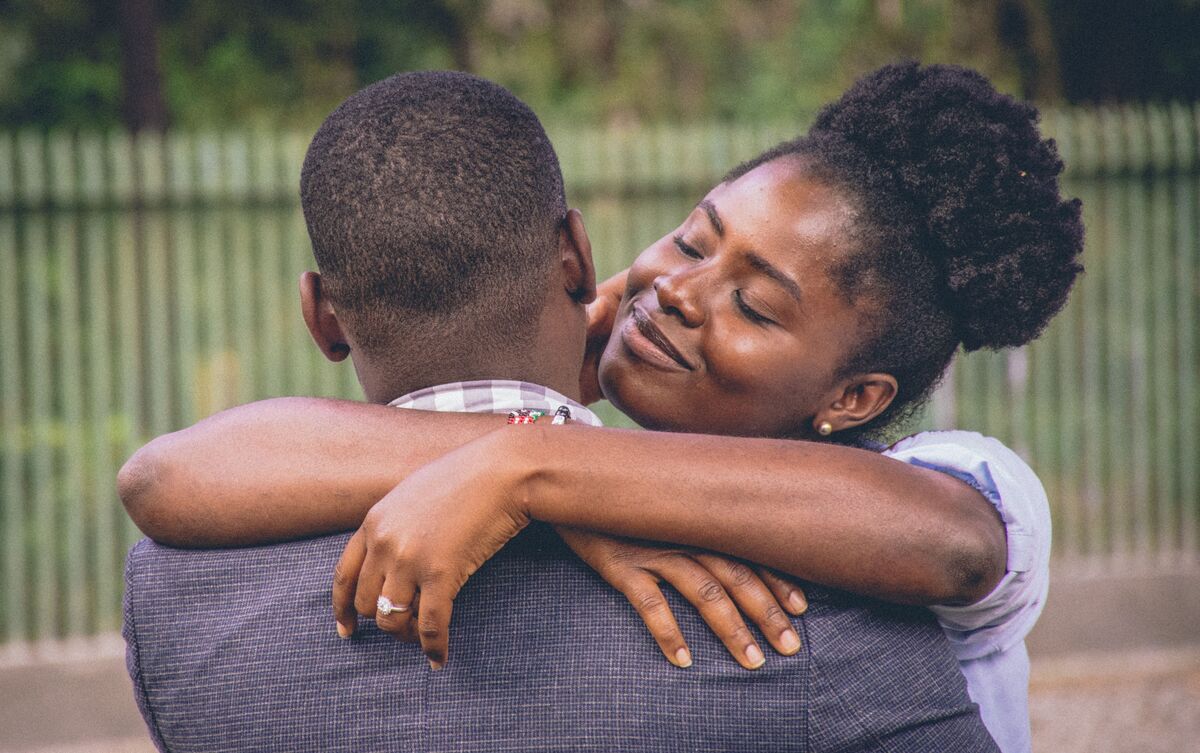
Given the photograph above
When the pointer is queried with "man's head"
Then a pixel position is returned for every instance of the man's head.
(435, 206)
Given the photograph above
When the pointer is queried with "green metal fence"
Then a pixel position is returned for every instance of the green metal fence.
(146, 283)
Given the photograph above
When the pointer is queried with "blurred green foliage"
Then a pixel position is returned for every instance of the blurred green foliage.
(275, 62)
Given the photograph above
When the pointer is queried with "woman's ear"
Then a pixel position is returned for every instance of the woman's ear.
(321, 319)
(859, 400)
(575, 255)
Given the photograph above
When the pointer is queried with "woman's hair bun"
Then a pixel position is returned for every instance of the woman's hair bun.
(982, 185)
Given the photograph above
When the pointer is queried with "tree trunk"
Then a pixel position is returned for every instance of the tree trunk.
(143, 105)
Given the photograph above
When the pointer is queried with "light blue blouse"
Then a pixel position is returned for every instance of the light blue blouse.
(988, 637)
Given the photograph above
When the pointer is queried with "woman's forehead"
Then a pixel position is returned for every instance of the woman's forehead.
(779, 209)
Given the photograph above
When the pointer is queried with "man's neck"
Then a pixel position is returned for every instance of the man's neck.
(551, 356)
(386, 387)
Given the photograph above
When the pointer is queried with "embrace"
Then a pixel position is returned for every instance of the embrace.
(516, 572)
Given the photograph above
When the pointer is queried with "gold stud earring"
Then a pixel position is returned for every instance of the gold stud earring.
(825, 429)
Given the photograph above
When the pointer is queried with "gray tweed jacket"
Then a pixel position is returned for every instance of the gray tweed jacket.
(235, 650)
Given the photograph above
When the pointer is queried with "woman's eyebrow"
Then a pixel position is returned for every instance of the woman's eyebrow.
(775, 273)
(713, 217)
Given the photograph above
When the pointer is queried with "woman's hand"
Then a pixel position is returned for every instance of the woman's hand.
(420, 543)
(601, 313)
(716, 585)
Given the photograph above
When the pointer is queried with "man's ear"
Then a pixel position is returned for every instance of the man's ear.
(575, 255)
(321, 319)
(858, 400)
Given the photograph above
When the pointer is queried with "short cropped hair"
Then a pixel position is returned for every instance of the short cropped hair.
(433, 197)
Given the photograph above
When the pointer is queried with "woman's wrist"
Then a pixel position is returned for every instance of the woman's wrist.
(531, 461)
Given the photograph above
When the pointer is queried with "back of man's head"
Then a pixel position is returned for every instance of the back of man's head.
(434, 202)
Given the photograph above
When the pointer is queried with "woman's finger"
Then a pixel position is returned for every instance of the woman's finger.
(789, 594)
(754, 599)
(370, 581)
(345, 583)
(700, 587)
(647, 598)
(394, 607)
(433, 621)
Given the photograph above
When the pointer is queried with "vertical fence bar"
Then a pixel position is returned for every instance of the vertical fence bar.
(106, 560)
(39, 494)
(156, 292)
(270, 312)
(62, 174)
(180, 155)
(235, 164)
(1138, 255)
(266, 241)
(303, 364)
(289, 152)
(1092, 355)
(183, 267)
(241, 310)
(8, 171)
(1071, 434)
(157, 322)
(1187, 278)
(102, 509)
(75, 584)
(1117, 476)
(128, 238)
(217, 361)
(38, 370)
(1039, 419)
(218, 364)
(1004, 403)
(1165, 380)
(12, 440)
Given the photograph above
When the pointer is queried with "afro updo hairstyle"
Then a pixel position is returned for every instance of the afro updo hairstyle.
(960, 235)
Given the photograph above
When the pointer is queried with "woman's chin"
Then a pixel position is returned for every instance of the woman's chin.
(643, 404)
(637, 401)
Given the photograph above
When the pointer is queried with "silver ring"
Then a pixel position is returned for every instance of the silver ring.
(384, 606)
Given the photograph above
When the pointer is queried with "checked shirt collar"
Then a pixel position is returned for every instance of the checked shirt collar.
(493, 396)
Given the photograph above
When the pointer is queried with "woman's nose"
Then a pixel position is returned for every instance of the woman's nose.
(680, 295)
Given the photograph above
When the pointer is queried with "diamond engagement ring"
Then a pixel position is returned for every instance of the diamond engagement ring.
(384, 606)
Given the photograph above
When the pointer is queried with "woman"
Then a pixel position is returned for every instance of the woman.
(816, 294)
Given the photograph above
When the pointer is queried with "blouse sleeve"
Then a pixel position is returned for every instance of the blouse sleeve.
(1006, 615)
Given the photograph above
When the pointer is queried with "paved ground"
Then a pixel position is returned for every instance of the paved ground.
(1146, 702)
(1137, 702)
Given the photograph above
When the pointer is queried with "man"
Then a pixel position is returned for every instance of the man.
(454, 275)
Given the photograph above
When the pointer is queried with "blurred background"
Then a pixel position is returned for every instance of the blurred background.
(151, 238)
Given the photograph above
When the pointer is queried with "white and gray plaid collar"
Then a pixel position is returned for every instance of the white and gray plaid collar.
(493, 396)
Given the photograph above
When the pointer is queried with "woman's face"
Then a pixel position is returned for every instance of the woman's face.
(731, 324)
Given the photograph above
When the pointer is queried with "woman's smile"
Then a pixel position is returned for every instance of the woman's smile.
(647, 341)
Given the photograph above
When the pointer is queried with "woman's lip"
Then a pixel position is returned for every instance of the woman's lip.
(649, 343)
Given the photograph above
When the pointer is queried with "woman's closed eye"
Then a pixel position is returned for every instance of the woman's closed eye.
(751, 313)
(686, 249)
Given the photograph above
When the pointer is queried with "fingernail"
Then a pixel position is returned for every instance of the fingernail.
(343, 631)
(683, 658)
(754, 655)
(797, 603)
(790, 641)
(435, 665)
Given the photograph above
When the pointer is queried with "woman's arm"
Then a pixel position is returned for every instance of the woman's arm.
(283, 469)
(843, 517)
(838, 516)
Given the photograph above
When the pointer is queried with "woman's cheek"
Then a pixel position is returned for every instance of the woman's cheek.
(737, 360)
